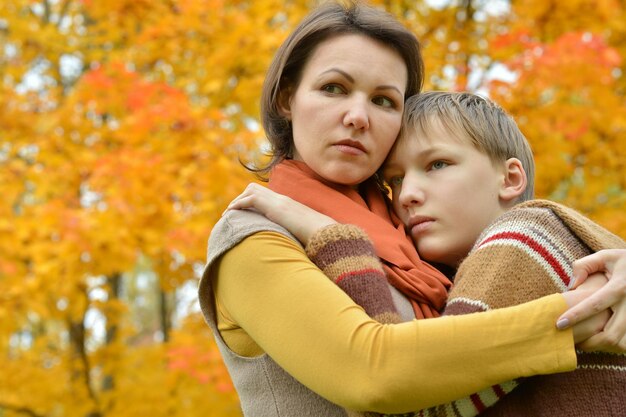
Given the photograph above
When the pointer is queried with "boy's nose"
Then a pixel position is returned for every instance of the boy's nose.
(357, 116)
(411, 194)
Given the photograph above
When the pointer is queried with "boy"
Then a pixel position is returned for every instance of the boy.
(457, 175)
(461, 176)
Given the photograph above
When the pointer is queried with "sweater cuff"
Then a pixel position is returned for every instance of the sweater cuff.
(346, 255)
(564, 342)
(338, 249)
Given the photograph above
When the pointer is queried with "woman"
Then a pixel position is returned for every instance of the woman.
(296, 345)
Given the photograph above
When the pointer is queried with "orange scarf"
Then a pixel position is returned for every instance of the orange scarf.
(421, 283)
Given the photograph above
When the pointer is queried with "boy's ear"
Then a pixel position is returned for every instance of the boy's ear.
(284, 102)
(515, 181)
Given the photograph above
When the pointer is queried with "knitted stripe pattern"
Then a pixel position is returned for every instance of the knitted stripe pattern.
(525, 254)
(346, 255)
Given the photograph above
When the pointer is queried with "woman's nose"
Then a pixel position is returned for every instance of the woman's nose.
(357, 116)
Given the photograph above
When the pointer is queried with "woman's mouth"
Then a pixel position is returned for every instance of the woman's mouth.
(350, 147)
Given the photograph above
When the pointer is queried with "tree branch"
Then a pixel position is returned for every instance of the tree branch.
(64, 8)
(47, 12)
(19, 409)
(77, 339)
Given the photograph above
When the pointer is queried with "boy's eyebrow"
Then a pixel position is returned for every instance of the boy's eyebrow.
(351, 79)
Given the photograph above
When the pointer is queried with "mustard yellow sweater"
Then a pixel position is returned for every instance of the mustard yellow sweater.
(270, 298)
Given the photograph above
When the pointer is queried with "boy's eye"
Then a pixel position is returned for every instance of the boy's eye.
(438, 165)
(383, 101)
(333, 89)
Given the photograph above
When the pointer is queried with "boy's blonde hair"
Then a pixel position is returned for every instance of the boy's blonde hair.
(469, 116)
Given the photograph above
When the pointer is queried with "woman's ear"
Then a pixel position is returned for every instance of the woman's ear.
(515, 181)
(284, 102)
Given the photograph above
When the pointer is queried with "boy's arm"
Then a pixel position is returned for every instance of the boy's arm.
(343, 252)
(346, 255)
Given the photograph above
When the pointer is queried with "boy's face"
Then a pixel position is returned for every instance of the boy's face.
(444, 190)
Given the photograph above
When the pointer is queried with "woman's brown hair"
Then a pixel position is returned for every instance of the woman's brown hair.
(324, 22)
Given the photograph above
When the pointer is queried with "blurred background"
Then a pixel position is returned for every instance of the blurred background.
(121, 126)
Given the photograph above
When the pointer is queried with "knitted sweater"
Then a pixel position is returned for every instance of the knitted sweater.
(525, 254)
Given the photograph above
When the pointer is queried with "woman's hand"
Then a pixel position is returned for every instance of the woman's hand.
(611, 295)
(299, 219)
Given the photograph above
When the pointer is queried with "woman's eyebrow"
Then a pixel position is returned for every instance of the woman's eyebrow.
(340, 71)
(390, 87)
(351, 79)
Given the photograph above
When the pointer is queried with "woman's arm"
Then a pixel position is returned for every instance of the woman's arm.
(304, 222)
(318, 335)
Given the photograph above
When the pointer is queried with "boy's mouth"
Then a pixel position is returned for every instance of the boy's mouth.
(418, 224)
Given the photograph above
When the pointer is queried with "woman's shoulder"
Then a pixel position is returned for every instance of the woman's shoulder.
(236, 225)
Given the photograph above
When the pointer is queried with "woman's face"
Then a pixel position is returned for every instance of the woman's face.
(347, 109)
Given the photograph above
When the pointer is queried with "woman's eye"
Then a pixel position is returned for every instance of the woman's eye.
(395, 181)
(333, 89)
(383, 101)
(438, 165)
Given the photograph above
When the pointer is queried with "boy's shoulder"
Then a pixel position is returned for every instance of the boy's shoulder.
(524, 222)
(541, 220)
(524, 254)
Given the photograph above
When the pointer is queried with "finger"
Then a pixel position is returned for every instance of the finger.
(583, 267)
(264, 203)
(237, 200)
(251, 189)
(602, 343)
(605, 297)
(613, 261)
(593, 344)
(615, 328)
(240, 203)
(590, 327)
(615, 333)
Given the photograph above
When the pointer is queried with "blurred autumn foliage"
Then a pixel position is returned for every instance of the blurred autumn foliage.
(121, 127)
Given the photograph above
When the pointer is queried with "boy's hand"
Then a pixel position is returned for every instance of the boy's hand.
(299, 219)
(612, 295)
(607, 340)
(592, 326)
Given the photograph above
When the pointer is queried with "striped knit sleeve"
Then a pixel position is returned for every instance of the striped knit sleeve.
(525, 254)
(346, 255)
